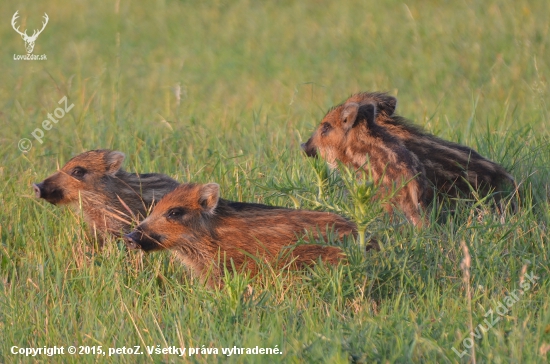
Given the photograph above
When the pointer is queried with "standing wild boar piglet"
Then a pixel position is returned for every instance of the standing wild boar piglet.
(350, 133)
(450, 167)
(203, 229)
(110, 198)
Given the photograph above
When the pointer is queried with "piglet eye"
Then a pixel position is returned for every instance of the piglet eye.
(325, 128)
(78, 172)
(175, 213)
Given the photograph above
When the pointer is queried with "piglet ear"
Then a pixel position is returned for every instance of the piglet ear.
(354, 113)
(114, 161)
(387, 104)
(209, 195)
(368, 112)
(349, 115)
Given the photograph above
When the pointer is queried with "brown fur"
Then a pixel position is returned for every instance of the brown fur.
(350, 133)
(450, 167)
(110, 197)
(200, 227)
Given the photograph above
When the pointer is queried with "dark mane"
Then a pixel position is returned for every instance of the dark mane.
(138, 191)
(226, 208)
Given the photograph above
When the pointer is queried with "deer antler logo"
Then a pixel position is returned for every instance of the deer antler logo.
(29, 41)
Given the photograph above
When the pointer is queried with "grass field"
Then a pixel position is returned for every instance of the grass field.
(226, 92)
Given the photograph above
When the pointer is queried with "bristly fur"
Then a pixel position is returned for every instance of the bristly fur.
(452, 169)
(111, 198)
(202, 229)
(351, 134)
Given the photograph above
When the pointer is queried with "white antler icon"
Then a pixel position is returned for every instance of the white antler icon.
(29, 41)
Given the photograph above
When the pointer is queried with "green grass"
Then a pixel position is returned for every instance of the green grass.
(254, 79)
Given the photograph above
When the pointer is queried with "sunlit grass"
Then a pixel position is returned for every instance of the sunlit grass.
(226, 92)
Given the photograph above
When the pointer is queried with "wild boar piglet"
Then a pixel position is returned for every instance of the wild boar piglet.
(444, 167)
(207, 232)
(111, 198)
(453, 169)
(349, 133)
